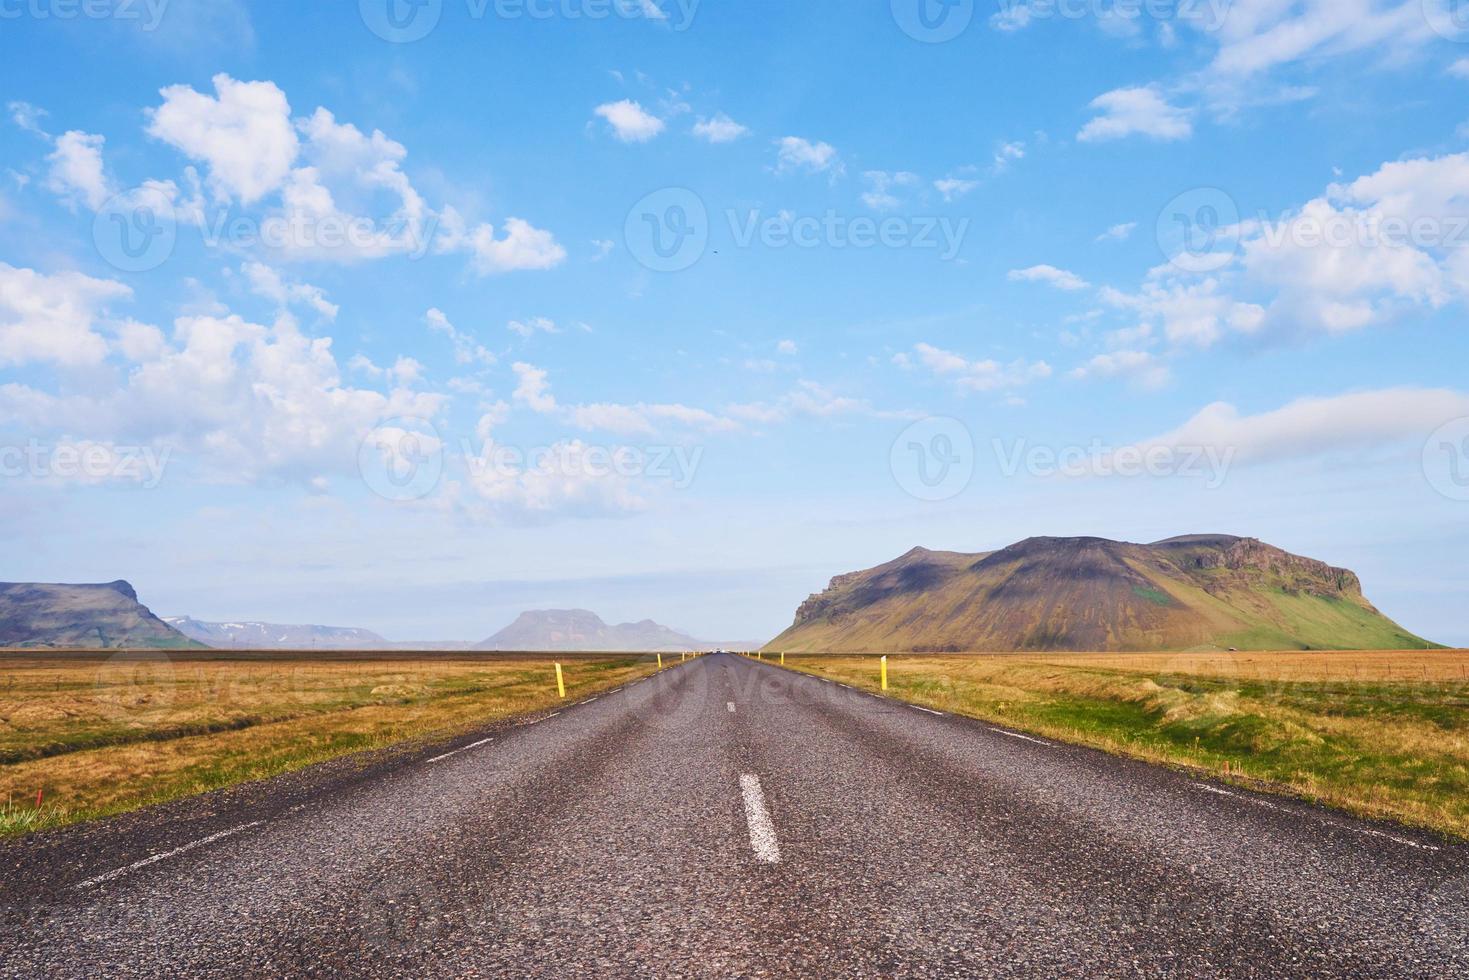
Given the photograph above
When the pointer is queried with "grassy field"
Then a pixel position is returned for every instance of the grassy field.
(98, 735)
(1383, 735)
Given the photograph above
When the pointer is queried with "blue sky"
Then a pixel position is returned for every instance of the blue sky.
(675, 310)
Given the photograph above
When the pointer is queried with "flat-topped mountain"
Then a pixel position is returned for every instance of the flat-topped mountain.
(275, 636)
(100, 617)
(1193, 592)
(569, 630)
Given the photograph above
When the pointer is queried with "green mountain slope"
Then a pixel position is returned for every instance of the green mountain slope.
(1196, 592)
(102, 617)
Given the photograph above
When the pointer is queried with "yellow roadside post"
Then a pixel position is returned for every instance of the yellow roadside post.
(560, 683)
(782, 658)
(884, 672)
(660, 661)
(760, 655)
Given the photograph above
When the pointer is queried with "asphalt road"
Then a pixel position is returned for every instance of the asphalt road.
(729, 818)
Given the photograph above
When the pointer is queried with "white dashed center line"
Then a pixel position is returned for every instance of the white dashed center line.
(154, 859)
(762, 831)
(730, 706)
(450, 755)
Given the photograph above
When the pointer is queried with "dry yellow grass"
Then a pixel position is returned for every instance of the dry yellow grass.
(1382, 734)
(103, 735)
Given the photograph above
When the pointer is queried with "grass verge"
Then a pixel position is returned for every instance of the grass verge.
(1382, 735)
(101, 736)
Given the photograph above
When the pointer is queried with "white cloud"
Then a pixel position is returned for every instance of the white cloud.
(77, 172)
(1460, 68)
(1140, 111)
(643, 419)
(140, 342)
(523, 246)
(1366, 250)
(267, 282)
(52, 319)
(1007, 154)
(986, 375)
(243, 134)
(570, 478)
(881, 185)
(1118, 233)
(788, 347)
(28, 117)
(467, 350)
(1139, 367)
(1311, 427)
(1197, 314)
(1362, 254)
(532, 325)
(1259, 35)
(247, 402)
(630, 122)
(719, 129)
(604, 248)
(952, 188)
(1012, 16)
(533, 390)
(331, 206)
(495, 415)
(811, 399)
(651, 10)
(1051, 276)
(801, 155)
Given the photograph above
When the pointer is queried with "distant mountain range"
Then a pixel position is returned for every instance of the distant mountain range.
(102, 617)
(274, 636)
(554, 630)
(1194, 592)
(110, 617)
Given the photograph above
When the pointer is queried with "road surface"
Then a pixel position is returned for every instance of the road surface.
(730, 818)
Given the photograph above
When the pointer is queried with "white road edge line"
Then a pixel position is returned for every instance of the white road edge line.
(762, 831)
(1364, 831)
(1037, 741)
(154, 859)
(929, 710)
(450, 755)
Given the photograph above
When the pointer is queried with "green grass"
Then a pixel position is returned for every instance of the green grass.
(1153, 595)
(1393, 744)
(101, 736)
